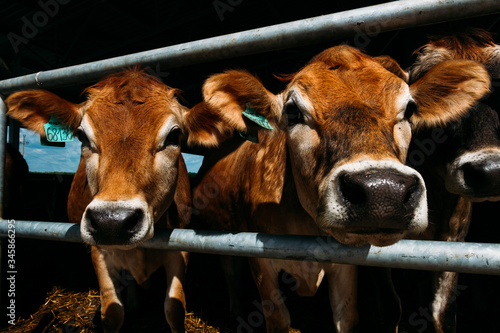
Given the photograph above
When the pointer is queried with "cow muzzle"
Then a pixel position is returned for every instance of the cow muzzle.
(475, 176)
(116, 223)
(374, 202)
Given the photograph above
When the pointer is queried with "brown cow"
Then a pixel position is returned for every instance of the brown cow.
(131, 178)
(460, 161)
(334, 165)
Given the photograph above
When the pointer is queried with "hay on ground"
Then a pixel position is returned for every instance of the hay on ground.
(67, 311)
(62, 311)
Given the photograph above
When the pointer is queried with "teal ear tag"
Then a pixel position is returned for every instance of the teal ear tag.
(56, 131)
(44, 142)
(256, 118)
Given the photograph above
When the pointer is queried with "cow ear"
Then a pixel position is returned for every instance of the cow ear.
(33, 108)
(447, 91)
(233, 101)
(392, 66)
(204, 127)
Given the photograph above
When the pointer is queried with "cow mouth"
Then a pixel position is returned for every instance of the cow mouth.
(122, 245)
(374, 231)
(119, 245)
(363, 236)
(481, 198)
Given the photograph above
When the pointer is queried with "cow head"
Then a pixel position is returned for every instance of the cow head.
(130, 127)
(347, 118)
(467, 153)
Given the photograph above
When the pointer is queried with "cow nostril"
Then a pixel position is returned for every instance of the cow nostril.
(411, 194)
(93, 224)
(351, 191)
(131, 221)
(407, 197)
(92, 218)
(474, 175)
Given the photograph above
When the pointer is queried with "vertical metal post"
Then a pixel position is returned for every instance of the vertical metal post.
(13, 132)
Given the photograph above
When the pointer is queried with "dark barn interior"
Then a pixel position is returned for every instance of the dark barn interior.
(41, 35)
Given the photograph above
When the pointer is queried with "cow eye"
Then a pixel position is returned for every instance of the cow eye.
(293, 113)
(173, 138)
(411, 108)
(83, 138)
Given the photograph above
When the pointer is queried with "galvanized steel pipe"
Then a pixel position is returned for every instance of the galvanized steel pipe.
(427, 255)
(360, 22)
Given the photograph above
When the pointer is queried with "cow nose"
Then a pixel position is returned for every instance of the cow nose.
(387, 197)
(482, 177)
(113, 226)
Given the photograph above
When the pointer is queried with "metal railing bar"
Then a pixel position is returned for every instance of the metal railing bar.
(477, 258)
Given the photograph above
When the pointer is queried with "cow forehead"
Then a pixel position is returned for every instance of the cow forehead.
(342, 55)
(107, 119)
(133, 104)
(348, 78)
(133, 84)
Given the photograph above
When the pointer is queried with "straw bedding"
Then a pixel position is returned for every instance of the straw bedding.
(65, 311)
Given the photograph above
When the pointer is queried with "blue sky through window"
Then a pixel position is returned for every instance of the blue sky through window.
(56, 159)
